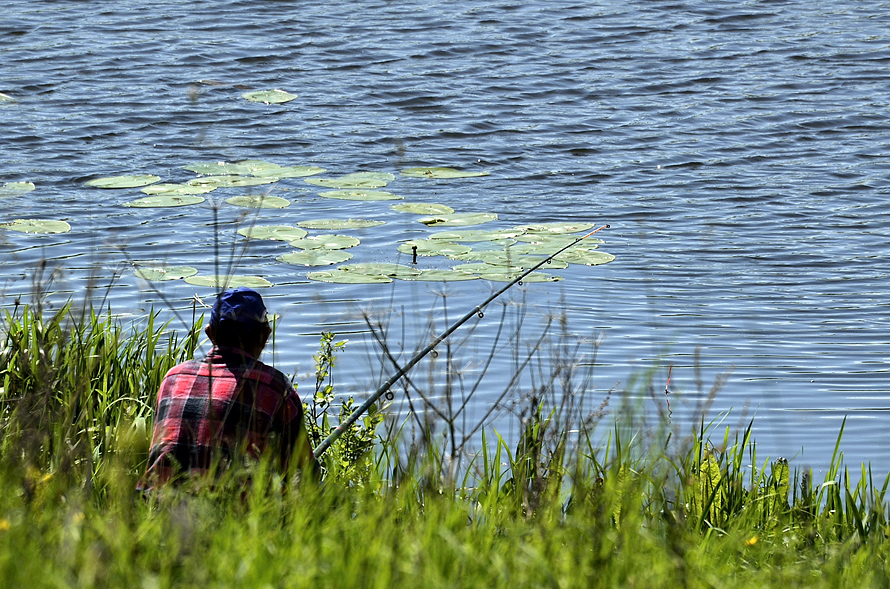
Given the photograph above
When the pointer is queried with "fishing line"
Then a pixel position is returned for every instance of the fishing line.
(401, 371)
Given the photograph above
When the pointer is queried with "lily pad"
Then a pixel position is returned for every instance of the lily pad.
(150, 202)
(228, 281)
(157, 273)
(433, 247)
(219, 169)
(475, 235)
(442, 173)
(259, 202)
(231, 181)
(504, 259)
(330, 242)
(269, 96)
(482, 268)
(316, 257)
(343, 277)
(337, 224)
(133, 181)
(355, 180)
(557, 239)
(382, 269)
(555, 227)
(421, 208)
(262, 169)
(585, 257)
(16, 188)
(458, 219)
(37, 226)
(531, 277)
(273, 232)
(441, 276)
(360, 195)
(537, 249)
(497, 245)
(176, 189)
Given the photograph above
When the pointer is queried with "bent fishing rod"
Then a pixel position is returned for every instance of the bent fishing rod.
(353, 417)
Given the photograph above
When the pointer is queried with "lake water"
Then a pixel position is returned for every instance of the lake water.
(740, 152)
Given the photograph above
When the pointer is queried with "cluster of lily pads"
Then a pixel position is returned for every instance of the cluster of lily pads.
(497, 255)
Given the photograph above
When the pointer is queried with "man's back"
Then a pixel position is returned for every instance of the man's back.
(223, 408)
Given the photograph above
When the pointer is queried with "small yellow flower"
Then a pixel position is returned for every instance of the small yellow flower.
(4, 525)
(751, 541)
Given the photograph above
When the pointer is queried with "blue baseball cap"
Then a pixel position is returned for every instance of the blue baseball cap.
(241, 305)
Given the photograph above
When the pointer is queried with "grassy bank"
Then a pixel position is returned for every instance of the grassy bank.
(563, 506)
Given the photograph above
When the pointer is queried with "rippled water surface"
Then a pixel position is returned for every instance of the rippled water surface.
(739, 151)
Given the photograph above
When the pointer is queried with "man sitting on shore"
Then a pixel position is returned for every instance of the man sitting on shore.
(229, 406)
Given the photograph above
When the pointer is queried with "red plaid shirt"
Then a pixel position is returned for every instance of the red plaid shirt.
(225, 407)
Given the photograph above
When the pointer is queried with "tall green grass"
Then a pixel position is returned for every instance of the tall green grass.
(562, 505)
(73, 386)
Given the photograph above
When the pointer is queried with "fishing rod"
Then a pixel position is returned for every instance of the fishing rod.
(353, 417)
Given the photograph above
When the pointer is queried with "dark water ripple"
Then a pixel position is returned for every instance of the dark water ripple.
(741, 153)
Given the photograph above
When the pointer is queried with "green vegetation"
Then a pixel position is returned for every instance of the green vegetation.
(269, 96)
(574, 502)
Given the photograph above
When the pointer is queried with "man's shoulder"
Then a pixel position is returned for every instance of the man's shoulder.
(187, 367)
(274, 376)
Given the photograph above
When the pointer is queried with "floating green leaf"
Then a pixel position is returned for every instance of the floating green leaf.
(259, 201)
(382, 269)
(557, 239)
(261, 169)
(433, 247)
(337, 224)
(317, 257)
(231, 181)
(257, 167)
(551, 247)
(219, 169)
(503, 258)
(176, 189)
(441, 276)
(16, 188)
(269, 96)
(37, 226)
(498, 245)
(442, 173)
(355, 180)
(273, 232)
(585, 257)
(475, 235)
(330, 242)
(134, 181)
(555, 227)
(482, 268)
(150, 202)
(458, 219)
(531, 277)
(369, 195)
(343, 277)
(420, 208)
(228, 281)
(160, 272)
